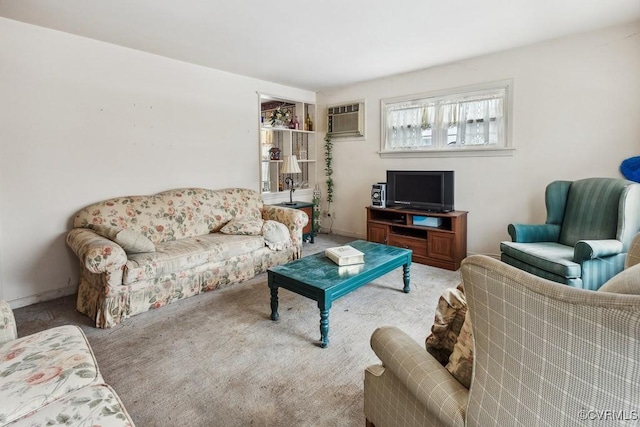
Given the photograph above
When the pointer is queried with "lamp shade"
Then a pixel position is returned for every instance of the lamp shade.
(290, 165)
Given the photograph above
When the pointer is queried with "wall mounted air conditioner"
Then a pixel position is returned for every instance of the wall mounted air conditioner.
(345, 120)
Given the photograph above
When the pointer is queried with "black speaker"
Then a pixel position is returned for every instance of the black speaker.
(379, 195)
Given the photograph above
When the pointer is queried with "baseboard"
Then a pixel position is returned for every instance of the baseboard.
(346, 234)
(44, 296)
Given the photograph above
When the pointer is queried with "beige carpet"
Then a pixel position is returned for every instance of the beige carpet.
(217, 359)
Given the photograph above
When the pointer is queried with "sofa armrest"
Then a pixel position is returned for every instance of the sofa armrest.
(97, 254)
(294, 219)
(589, 249)
(530, 233)
(434, 387)
(8, 329)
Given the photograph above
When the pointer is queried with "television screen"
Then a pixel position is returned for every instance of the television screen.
(422, 190)
(419, 188)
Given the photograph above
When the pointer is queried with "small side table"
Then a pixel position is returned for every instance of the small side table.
(307, 207)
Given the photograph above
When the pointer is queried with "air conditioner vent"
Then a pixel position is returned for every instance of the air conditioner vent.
(346, 120)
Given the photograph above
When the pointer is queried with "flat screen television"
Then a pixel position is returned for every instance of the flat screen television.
(422, 190)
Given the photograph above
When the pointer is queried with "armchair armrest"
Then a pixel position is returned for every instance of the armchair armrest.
(633, 256)
(294, 219)
(589, 249)
(529, 233)
(8, 329)
(422, 374)
(96, 253)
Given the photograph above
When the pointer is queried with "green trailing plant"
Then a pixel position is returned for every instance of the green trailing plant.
(328, 168)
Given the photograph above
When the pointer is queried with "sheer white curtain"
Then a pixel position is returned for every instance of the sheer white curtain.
(481, 121)
(404, 127)
(465, 119)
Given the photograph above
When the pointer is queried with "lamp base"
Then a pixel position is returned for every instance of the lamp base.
(290, 203)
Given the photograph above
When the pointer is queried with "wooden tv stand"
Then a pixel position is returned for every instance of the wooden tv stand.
(444, 245)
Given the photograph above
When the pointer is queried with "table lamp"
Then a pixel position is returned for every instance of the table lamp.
(290, 166)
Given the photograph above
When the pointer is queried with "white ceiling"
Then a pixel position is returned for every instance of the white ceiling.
(321, 44)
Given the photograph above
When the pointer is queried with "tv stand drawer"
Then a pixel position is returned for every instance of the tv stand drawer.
(418, 246)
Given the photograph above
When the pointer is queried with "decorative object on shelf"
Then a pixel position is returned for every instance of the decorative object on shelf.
(274, 153)
(308, 124)
(289, 167)
(294, 124)
(280, 117)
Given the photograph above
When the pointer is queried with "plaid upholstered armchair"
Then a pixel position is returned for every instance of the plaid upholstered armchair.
(584, 241)
(544, 355)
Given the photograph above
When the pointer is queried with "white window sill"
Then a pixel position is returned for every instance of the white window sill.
(453, 152)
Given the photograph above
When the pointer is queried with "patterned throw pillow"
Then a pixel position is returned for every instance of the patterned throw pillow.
(461, 360)
(243, 226)
(449, 317)
(129, 240)
(276, 235)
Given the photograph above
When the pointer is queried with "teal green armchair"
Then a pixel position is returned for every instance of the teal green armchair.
(585, 239)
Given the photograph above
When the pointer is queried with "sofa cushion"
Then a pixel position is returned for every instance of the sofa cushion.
(448, 320)
(96, 405)
(181, 255)
(131, 241)
(547, 256)
(243, 226)
(42, 367)
(276, 235)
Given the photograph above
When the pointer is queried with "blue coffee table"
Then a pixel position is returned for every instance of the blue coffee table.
(319, 278)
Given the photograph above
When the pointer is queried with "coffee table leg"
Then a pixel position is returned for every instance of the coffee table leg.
(324, 328)
(406, 277)
(274, 299)
(324, 324)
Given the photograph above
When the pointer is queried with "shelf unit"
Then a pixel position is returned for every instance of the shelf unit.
(300, 142)
(444, 246)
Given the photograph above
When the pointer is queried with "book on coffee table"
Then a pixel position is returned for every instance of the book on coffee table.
(344, 255)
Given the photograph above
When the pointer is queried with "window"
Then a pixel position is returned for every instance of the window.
(464, 120)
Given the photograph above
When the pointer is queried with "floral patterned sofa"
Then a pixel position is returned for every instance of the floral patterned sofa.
(51, 378)
(143, 252)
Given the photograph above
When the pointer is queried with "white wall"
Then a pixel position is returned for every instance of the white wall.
(81, 121)
(576, 114)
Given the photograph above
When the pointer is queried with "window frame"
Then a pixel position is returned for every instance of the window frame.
(460, 150)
